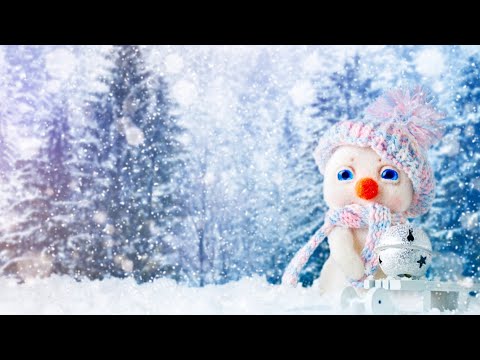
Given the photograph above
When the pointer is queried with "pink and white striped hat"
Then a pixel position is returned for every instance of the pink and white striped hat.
(400, 126)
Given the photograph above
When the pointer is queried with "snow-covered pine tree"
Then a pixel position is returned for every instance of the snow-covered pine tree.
(41, 212)
(300, 201)
(283, 205)
(255, 231)
(194, 255)
(58, 155)
(6, 196)
(134, 137)
(118, 111)
(24, 219)
(211, 248)
(244, 231)
(222, 172)
(212, 251)
(163, 198)
(6, 153)
(6, 148)
(344, 94)
(26, 86)
(89, 249)
(454, 219)
(131, 99)
(84, 253)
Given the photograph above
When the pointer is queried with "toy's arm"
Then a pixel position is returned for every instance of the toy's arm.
(342, 250)
(292, 272)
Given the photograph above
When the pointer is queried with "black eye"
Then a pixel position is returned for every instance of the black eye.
(389, 174)
(345, 175)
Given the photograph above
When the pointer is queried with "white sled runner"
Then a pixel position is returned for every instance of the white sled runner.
(397, 296)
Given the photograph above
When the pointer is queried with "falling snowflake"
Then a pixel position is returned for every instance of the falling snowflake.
(302, 93)
(60, 63)
(173, 63)
(430, 62)
(184, 92)
(100, 217)
(134, 135)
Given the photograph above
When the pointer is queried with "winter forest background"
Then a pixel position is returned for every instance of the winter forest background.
(195, 162)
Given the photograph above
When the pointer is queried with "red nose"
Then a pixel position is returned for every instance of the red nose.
(366, 188)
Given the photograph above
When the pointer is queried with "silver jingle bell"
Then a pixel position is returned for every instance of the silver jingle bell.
(404, 251)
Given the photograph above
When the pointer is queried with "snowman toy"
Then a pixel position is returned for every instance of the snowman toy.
(377, 176)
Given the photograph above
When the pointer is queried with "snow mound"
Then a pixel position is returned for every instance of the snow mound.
(63, 295)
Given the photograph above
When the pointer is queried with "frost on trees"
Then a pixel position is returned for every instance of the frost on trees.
(195, 163)
(137, 157)
(454, 216)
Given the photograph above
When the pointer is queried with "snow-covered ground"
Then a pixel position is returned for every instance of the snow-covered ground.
(62, 295)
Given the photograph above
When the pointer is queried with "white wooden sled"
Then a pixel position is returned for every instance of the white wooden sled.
(389, 296)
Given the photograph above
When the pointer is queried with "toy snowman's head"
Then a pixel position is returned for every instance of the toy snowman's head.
(358, 175)
(382, 157)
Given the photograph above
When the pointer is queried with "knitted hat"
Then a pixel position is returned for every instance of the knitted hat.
(399, 126)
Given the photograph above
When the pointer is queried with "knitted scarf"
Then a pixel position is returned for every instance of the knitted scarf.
(377, 218)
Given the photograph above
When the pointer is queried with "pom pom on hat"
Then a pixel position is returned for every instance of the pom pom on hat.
(412, 108)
